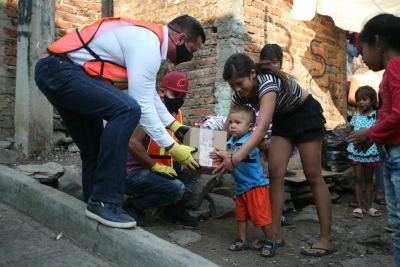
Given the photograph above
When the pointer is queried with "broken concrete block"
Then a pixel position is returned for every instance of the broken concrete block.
(204, 185)
(203, 211)
(220, 205)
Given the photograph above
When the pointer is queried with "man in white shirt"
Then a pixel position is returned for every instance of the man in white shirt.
(79, 75)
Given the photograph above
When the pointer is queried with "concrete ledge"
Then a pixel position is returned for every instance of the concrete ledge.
(64, 213)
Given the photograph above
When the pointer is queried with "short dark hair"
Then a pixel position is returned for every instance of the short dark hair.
(386, 27)
(188, 25)
(247, 110)
(271, 51)
(370, 92)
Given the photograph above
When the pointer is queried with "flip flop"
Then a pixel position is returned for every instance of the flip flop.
(387, 228)
(372, 212)
(282, 244)
(380, 201)
(358, 213)
(318, 254)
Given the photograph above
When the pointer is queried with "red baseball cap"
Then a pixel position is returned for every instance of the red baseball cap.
(176, 81)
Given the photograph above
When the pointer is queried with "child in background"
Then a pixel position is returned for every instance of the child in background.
(252, 195)
(381, 50)
(364, 162)
(365, 76)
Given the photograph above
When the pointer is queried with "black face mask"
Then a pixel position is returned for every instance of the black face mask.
(182, 54)
(173, 104)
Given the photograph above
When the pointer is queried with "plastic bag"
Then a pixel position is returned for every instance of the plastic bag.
(212, 122)
(334, 149)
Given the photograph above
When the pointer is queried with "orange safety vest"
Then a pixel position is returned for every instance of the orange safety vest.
(81, 37)
(159, 154)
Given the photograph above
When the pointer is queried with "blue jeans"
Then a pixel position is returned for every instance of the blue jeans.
(83, 102)
(391, 174)
(149, 190)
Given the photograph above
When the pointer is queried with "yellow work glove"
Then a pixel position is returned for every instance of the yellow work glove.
(165, 171)
(183, 154)
(179, 130)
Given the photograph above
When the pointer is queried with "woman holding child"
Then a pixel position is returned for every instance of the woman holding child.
(297, 121)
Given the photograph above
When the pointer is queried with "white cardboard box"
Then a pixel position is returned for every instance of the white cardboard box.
(205, 140)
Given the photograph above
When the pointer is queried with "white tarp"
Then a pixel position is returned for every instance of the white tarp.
(347, 14)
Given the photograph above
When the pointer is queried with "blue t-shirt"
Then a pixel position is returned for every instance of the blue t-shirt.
(249, 172)
(372, 154)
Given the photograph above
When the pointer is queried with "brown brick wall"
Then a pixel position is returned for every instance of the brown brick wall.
(201, 70)
(69, 15)
(8, 59)
(314, 51)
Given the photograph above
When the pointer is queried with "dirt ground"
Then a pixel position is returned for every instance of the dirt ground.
(360, 242)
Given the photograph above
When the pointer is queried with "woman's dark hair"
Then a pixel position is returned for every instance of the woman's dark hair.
(190, 26)
(271, 51)
(370, 92)
(240, 65)
(387, 27)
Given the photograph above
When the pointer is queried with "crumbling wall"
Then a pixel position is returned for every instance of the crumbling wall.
(314, 52)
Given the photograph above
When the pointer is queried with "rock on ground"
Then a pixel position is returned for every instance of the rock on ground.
(184, 237)
(220, 205)
(45, 173)
(204, 185)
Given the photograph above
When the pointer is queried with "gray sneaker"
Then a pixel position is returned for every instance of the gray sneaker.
(109, 214)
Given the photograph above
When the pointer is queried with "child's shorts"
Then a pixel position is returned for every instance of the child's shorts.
(303, 124)
(368, 164)
(254, 204)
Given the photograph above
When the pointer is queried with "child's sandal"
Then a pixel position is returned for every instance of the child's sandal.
(238, 244)
(270, 247)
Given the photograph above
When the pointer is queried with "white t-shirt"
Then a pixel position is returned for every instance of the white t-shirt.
(137, 49)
